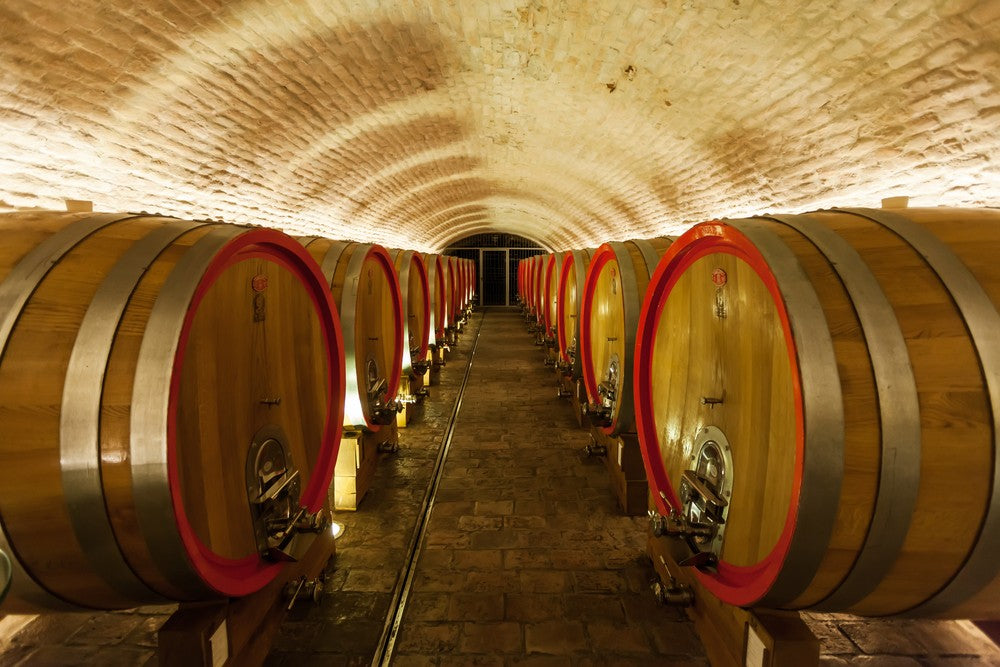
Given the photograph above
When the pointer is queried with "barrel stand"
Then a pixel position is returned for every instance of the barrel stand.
(436, 353)
(357, 462)
(623, 459)
(572, 388)
(733, 636)
(240, 631)
(413, 392)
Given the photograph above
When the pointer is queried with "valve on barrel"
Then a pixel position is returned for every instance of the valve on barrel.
(705, 490)
(273, 488)
(602, 413)
(419, 366)
(383, 409)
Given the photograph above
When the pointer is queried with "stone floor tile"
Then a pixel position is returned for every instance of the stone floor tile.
(555, 637)
(612, 638)
(482, 637)
(479, 606)
(429, 638)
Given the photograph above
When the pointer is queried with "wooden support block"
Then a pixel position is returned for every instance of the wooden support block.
(356, 465)
(577, 396)
(239, 631)
(736, 637)
(410, 391)
(437, 355)
(625, 467)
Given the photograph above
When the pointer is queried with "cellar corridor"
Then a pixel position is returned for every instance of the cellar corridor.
(524, 559)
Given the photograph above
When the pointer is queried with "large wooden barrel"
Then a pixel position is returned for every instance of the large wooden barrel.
(450, 270)
(363, 281)
(835, 377)
(571, 282)
(609, 316)
(550, 302)
(538, 288)
(437, 290)
(473, 282)
(416, 302)
(522, 290)
(147, 362)
(529, 275)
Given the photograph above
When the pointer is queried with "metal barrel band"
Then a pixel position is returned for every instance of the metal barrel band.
(151, 407)
(15, 290)
(899, 413)
(823, 463)
(983, 322)
(81, 411)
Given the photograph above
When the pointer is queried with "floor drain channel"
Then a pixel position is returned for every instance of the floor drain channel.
(387, 643)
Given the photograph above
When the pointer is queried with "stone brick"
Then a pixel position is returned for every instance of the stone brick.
(482, 559)
(478, 606)
(428, 638)
(482, 637)
(532, 607)
(495, 508)
(555, 637)
(613, 639)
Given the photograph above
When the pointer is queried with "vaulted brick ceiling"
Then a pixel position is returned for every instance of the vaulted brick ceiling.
(414, 123)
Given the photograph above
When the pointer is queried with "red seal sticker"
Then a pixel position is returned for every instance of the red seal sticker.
(259, 283)
(719, 277)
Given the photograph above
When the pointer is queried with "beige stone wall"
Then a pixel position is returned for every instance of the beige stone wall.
(411, 123)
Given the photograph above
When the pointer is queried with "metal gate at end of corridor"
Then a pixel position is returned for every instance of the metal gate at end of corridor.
(496, 257)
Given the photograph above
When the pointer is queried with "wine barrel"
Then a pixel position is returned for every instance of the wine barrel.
(451, 292)
(362, 279)
(473, 281)
(571, 281)
(522, 268)
(529, 282)
(609, 316)
(550, 305)
(145, 360)
(850, 358)
(438, 298)
(538, 287)
(416, 300)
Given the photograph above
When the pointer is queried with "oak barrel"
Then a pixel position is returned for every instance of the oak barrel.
(451, 283)
(537, 287)
(363, 281)
(522, 268)
(142, 358)
(550, 302)
(438, 296)
(849, 363)
(529, 281)
(609, 316)
(571, 281)
(413, 285)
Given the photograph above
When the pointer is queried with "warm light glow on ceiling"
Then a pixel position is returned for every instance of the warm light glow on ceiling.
(412, 124)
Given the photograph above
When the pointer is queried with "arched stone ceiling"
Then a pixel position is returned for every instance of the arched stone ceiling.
(569, 122)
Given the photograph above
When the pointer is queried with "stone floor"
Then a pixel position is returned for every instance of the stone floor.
(525, 561)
